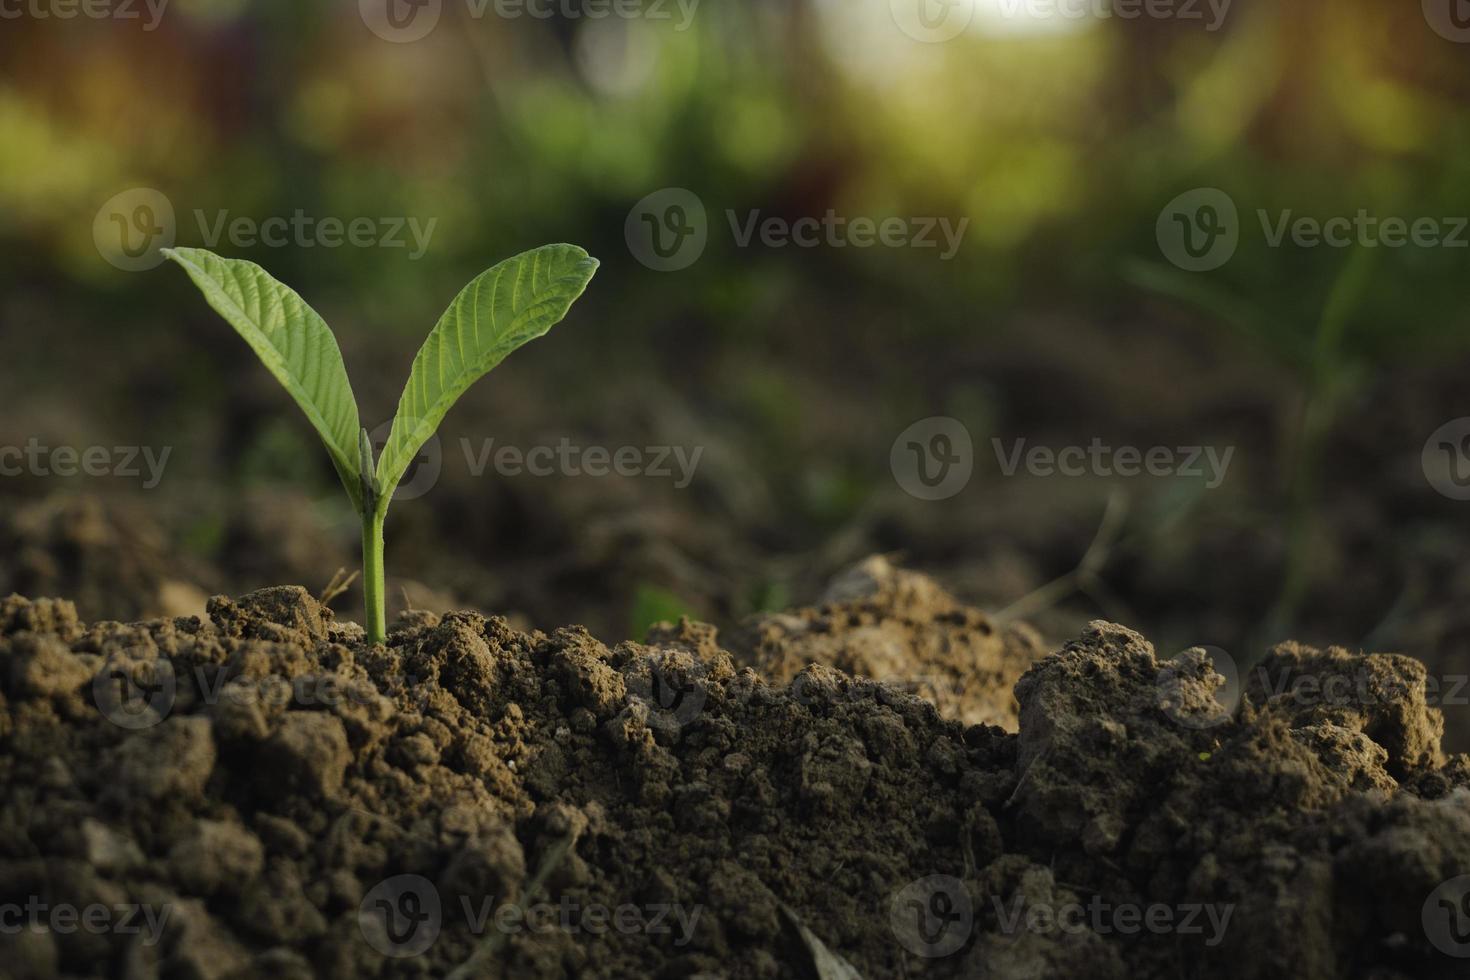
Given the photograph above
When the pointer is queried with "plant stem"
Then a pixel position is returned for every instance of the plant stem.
(374, 615)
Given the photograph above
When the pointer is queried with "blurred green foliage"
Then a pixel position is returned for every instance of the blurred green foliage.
(1060, 145)
(1059, 141)
(653, 605)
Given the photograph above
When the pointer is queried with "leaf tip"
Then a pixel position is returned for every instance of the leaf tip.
(181, 256)
(586, 266)
(584, 259)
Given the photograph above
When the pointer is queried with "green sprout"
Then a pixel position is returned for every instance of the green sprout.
(510, 304)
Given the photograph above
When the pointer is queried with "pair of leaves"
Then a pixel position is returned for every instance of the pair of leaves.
(512, 303)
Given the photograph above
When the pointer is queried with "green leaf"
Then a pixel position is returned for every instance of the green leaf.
(292, 341)
(512, 303)
(653, 605)
(1241, 314)
(1344, 299)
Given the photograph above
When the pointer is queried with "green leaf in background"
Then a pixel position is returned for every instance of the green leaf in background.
(653, 605)
(1246, 317)
(514, 302)
(292, 341)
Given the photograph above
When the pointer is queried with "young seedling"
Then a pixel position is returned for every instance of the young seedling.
(501, 309)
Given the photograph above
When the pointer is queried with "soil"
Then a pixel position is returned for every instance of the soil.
(901, 628)
(103, 554)
(258, 792)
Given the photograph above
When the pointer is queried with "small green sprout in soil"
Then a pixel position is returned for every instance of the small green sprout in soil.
(510, 304)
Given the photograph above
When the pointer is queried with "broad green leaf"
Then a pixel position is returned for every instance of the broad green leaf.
(293, 342)
(512, 303)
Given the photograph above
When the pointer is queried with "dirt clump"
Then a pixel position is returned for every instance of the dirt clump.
(107, 556)
(260, 793)
(898, 627)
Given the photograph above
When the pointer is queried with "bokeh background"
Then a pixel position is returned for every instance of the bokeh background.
(1061, 319)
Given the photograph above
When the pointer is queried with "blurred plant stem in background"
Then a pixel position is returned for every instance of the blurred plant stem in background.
(1332, 378)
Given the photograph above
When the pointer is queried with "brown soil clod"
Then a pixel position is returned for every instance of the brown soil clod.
(258, 793)
(900, 628)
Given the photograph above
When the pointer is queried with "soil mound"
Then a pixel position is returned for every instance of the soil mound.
(901, 628)
(103, 555)
(259, 793)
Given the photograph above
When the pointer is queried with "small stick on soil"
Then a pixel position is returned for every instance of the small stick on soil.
(1025, 776)
(339, 584)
